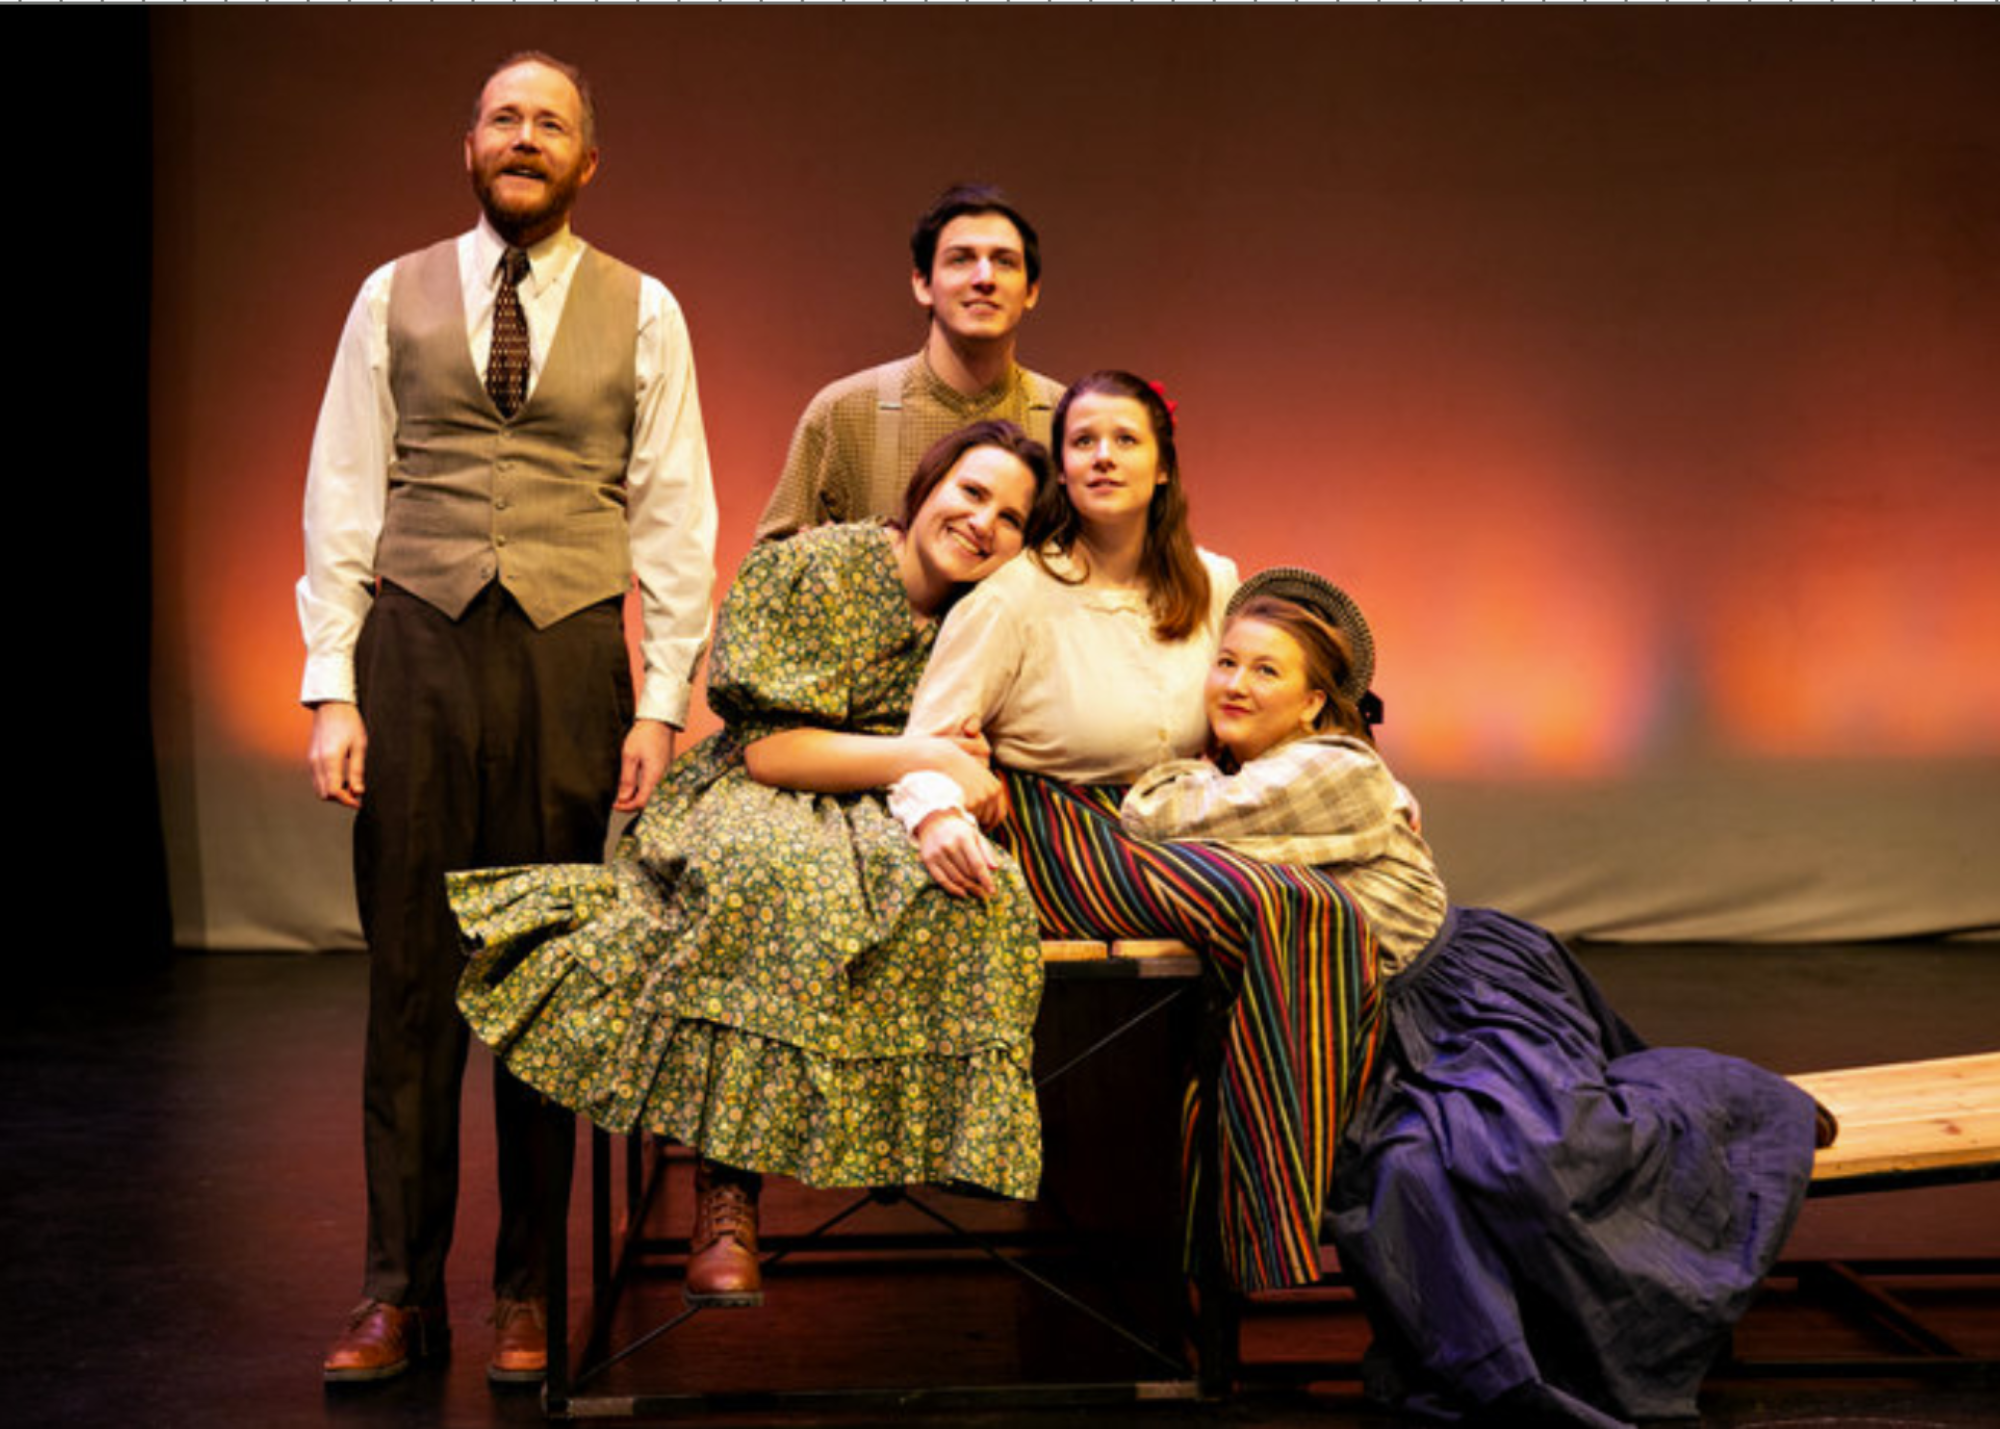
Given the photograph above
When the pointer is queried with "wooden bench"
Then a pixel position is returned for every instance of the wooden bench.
(622, 1248)
(1909, 1123)
(1901, 1125)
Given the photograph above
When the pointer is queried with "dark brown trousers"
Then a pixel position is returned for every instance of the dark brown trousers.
(490, 743)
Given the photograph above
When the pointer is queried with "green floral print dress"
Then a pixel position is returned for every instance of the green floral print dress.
(767, 975)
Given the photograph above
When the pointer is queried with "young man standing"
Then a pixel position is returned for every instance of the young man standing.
(977, 268)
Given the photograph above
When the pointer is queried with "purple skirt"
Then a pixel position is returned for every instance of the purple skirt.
(1543, 1217)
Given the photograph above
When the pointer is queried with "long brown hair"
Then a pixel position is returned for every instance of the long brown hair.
(1177, 586)
(1329, 660)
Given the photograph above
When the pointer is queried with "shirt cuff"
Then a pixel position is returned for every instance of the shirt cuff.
(666, 700)
(917, 795)
(328, 678)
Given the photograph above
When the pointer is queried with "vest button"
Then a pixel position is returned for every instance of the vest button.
(501, 503)
(500, 540)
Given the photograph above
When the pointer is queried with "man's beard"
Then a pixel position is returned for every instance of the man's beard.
(558, 197)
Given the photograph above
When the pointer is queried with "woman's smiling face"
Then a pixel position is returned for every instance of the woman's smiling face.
(1257, 693)
(973, 522)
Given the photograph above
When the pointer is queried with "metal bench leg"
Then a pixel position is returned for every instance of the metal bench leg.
(1218, 1323)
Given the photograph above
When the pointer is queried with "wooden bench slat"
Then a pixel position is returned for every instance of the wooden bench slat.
(1150, 948)
(1912, 1107)
(1979, 1069)
(1065, 950)
(1834, 1163)
(1972, 1128)
(1086, 950)
(1910, 1116)
(1910, 1101)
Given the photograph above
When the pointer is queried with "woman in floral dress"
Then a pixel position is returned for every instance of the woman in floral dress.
(767, 973)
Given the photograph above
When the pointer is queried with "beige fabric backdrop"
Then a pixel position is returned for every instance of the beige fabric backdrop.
(1634, 370)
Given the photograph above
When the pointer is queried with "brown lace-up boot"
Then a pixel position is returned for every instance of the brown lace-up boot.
(722, 1249)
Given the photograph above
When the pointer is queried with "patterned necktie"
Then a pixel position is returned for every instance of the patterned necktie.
(507, 363)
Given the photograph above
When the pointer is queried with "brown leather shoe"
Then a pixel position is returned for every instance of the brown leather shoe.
(520, 1342)
(383, 1340)
(722, 1250)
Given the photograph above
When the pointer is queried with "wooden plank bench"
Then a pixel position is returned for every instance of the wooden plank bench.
(1909, 1123)
(1152, 957)
(1901, 1125)
(622, 1248)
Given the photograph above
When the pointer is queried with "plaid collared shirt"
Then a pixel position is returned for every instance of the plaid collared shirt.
(1327, 800)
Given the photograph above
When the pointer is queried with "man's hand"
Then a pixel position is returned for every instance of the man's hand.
(338, 752)
(957, 854)
(649, 749)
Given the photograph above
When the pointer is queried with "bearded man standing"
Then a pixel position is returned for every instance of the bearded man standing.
(510, 435)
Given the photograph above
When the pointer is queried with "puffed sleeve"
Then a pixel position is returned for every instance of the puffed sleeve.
(786, 640)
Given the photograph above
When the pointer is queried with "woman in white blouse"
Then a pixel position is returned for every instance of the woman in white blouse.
(1082, 663)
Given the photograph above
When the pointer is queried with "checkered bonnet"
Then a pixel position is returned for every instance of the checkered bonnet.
(1331, 604)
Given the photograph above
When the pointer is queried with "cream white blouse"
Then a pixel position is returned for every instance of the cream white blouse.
(1067, 681)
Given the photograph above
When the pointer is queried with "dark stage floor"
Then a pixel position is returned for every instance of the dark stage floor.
(180, 1203)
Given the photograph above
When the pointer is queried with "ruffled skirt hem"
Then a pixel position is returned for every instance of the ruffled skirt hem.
(587, 1022)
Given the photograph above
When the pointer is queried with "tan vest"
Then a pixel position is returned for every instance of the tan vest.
(536, 501)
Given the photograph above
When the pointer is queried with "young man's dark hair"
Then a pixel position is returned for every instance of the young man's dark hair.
(956, 202)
